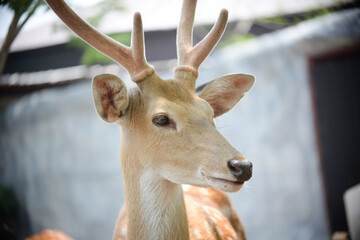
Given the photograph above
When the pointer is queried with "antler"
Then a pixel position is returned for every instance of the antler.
(131, 58)
(190, 58)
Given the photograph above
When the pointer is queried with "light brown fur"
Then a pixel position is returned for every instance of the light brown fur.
(206, 208)
(169, 157)
(169, 136)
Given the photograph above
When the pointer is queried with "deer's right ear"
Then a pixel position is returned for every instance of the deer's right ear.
(110, 97)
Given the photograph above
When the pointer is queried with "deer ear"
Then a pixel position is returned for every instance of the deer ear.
(223, 93)
(110, 97)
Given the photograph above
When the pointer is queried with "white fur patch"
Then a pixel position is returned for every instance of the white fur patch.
(226, 210)
(148, 198)
(197, 234)
(219, 231)
(207, 227)
(159, 206)
(186, 187)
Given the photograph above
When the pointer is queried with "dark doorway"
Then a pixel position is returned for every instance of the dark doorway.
(335, 79)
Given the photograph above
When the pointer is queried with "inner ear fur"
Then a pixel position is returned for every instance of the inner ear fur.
(110, 97)
(223, 93)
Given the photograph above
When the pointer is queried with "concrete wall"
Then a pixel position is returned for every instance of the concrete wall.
(63, 163)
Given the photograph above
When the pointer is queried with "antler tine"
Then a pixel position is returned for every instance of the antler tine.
(142, 68)
(205, 47)
(132, 59)
(190, 58)
(185, 29)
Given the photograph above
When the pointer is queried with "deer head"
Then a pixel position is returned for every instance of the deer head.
(166, 127)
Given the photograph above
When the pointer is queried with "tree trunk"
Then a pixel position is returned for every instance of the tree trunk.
(10, 36)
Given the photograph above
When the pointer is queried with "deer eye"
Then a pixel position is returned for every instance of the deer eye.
(163, 121)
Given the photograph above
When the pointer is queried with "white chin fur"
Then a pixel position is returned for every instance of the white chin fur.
(224, 185)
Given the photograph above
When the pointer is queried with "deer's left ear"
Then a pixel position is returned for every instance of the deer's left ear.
(223, 93)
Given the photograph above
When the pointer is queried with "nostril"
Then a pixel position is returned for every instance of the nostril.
(242, 170)
(235, 165)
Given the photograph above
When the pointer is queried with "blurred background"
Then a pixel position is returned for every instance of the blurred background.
(299, 125)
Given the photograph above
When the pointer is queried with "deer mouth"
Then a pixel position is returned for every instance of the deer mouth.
(222, 183)
(227, 181)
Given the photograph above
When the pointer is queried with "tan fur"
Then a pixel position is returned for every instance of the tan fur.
(206, 208)
(155, 161)
(237, 84)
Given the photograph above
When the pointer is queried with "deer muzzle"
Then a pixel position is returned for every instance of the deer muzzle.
(241, 170)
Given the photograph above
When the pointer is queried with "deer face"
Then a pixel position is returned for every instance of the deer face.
(173, 129)
(165, 122)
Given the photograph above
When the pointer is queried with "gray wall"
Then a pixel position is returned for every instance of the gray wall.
(63, 163)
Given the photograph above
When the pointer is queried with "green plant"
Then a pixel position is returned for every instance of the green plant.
(236, 38)
(91, 55)
(23, 10)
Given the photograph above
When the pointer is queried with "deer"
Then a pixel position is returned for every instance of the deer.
(176, 165)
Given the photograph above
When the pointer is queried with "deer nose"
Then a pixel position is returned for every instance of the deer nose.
(242, 170)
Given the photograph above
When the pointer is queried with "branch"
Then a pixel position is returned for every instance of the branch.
(13, 31)
(10, 36)
(30, 13)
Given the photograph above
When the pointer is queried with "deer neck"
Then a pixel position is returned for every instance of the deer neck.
(155, 206)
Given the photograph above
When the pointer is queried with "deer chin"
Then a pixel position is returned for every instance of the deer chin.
(222, 184)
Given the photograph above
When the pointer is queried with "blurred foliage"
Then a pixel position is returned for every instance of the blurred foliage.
(279, 22)
(23, 10)
(22, 6)
(289, 20)
(310, 14)
(7, 212)
(236, 38)
(91, 55)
